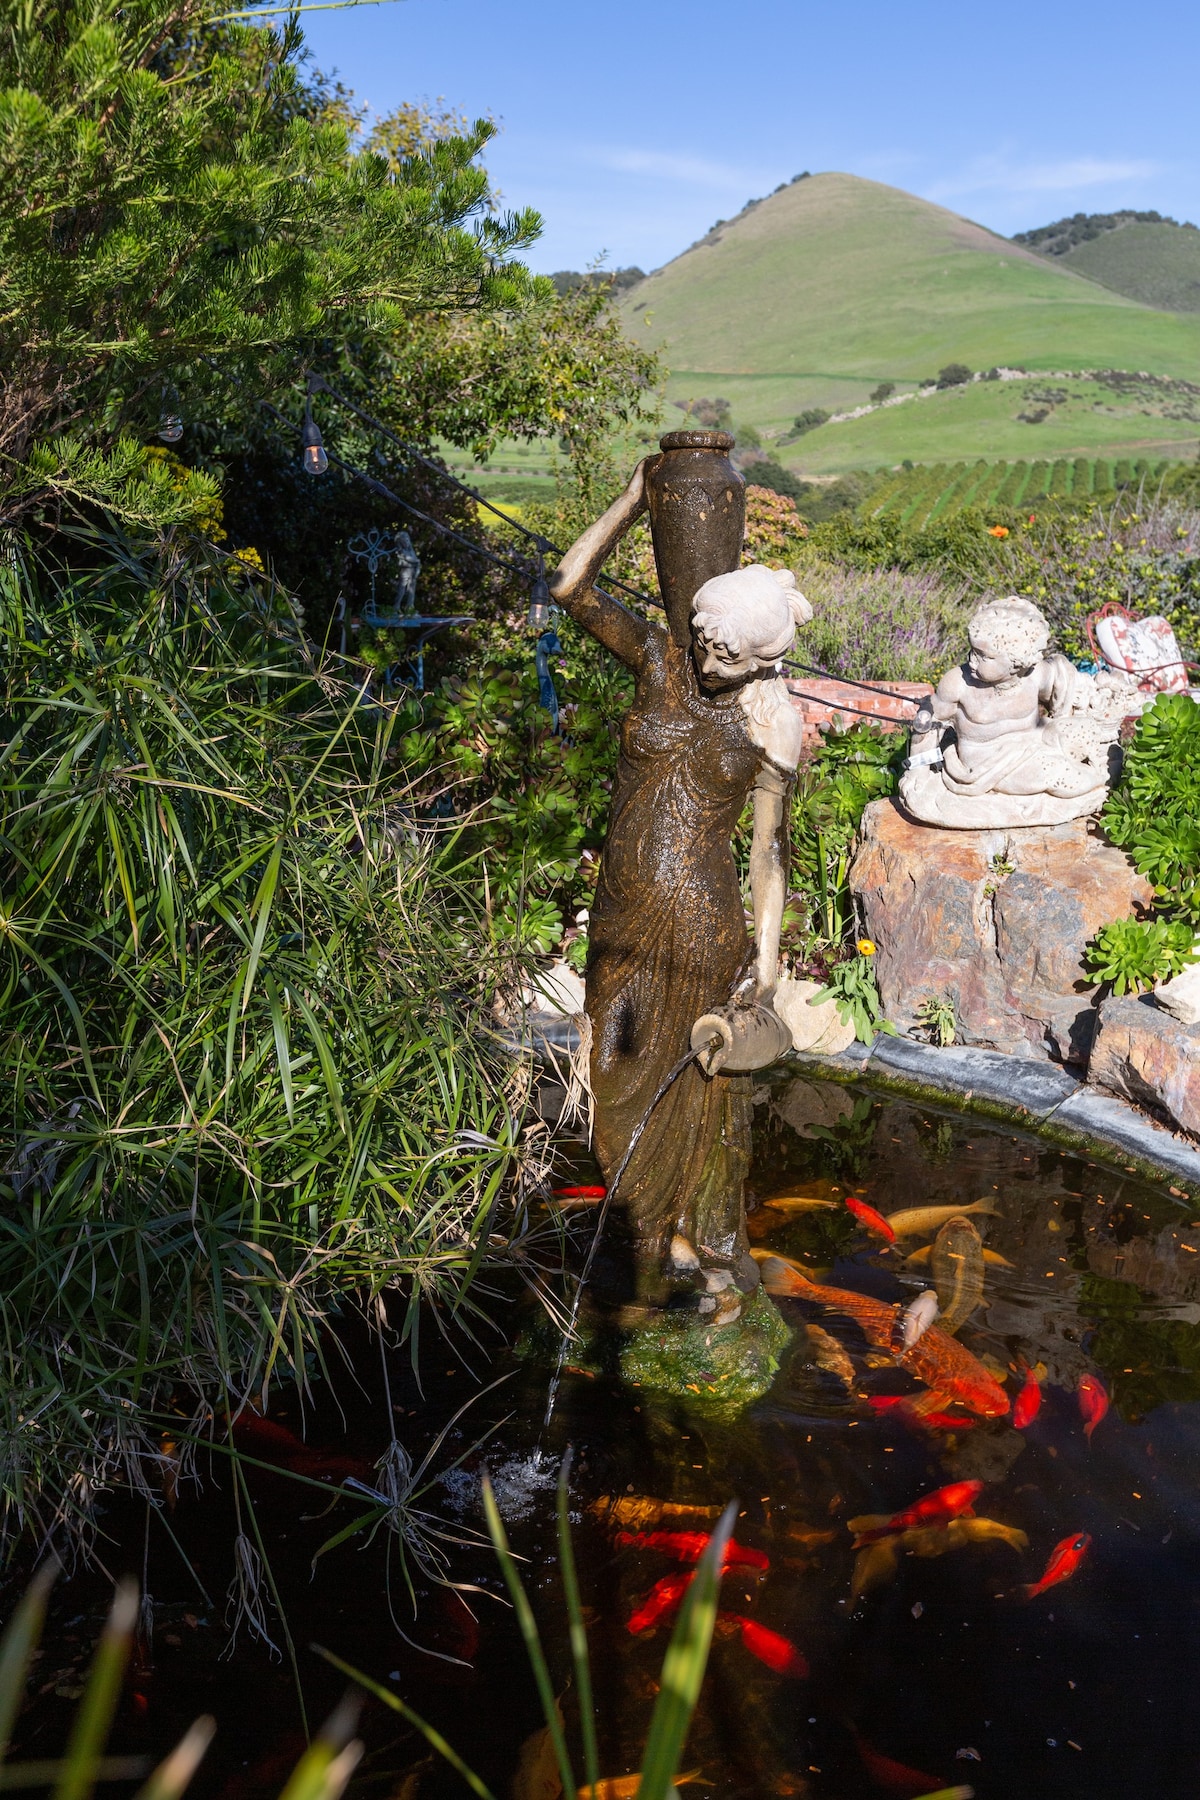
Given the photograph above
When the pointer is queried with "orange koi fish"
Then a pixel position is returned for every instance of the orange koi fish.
(1093, 1402)
(1028, 1403)
(661, 1601)
(637, 1511)
(872, 1220)
(689, 1546)
(938, 1508)
(778, 1653)
(940, 1361)
(1065, 1558)
(626, 1787)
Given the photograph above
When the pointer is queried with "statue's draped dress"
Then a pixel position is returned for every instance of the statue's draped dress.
(668, 941)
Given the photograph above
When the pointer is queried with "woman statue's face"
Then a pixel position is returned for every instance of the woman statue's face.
(716, 665)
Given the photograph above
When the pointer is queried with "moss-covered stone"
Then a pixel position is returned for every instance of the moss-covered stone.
(722, 1370)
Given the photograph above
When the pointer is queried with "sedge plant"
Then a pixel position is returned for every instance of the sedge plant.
(248, 1069)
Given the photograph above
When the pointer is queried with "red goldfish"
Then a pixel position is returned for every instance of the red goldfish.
(779, 1653)
(1028, 1403)
(943, 1504)
(940, 1361)
(579, 1193)
(918, 1417)
(268, 1441)
(1093, 1402)
(662, 1599)
(872, 1220)
(1065, 1558)
(896, 1777)
(689, 1546)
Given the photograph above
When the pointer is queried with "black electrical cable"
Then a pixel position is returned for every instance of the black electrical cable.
(437, 468)
(543, 543)
(536, 537)
(871, 687)
(838, 706)
(386, 493)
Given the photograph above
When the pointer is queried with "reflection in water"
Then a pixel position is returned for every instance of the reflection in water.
(1042, 1638)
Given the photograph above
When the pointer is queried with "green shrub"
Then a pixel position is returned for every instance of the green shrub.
(810, 419)
(852, 986)
(766, 472)
(1154, 812)
(954, 375)
(1133, 954)
(849, 769)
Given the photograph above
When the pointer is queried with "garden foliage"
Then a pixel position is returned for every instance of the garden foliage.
(173, 192)
(1154, 815)
(245, 995)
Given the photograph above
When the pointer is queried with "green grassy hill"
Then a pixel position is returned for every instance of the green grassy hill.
(1157, 264)
(812, 297)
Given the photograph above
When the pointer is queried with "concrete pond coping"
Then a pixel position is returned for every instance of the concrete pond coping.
(1040, 1097)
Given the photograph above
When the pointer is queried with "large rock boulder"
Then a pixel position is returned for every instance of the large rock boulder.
(995, 922)
(1142, 1053)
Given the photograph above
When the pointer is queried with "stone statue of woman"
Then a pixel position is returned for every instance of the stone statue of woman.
(671, 964)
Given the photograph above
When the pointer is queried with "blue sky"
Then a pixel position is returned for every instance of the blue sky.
(634, 125)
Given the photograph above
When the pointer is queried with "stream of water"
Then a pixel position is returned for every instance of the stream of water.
(942, 1674)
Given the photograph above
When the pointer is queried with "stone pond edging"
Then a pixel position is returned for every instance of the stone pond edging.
(1037, 1096)
(1041, 1097)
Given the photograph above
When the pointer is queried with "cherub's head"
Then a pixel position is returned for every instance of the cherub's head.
(1008, 638)
(744, 622)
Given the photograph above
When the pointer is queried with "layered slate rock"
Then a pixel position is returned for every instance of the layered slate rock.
(1142, 1054)
(995, 922)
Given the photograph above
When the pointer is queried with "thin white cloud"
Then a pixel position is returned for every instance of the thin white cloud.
(696, 171)
(995, 174)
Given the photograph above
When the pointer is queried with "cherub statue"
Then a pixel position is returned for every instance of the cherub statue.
(1030, 739)
(670, 962)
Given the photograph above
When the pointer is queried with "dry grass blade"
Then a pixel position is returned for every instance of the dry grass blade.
(175, 1772)
(89, 1734)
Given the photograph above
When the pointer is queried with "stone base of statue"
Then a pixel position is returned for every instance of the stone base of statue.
(994, 922)
(1141, 1053)
(924, 794)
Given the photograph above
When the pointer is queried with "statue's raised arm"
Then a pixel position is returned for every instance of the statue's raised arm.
(616, 627)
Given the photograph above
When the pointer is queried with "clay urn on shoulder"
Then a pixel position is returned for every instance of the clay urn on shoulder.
(697, 504)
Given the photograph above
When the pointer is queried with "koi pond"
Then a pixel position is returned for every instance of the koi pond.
(1039, 1634)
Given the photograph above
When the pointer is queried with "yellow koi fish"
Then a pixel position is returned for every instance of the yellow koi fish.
(923, 1221)
(957, 1264)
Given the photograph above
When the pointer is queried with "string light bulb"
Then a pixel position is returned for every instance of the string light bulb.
(313, 459)
(170, 425)
(539, 593)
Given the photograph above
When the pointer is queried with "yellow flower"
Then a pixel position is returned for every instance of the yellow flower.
(865, 947)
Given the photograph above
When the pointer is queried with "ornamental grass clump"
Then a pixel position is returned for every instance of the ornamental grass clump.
(243, 1005)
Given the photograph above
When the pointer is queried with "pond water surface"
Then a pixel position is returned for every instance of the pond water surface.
(943, 1673)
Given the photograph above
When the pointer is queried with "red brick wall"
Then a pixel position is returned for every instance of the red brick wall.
(832, 700)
